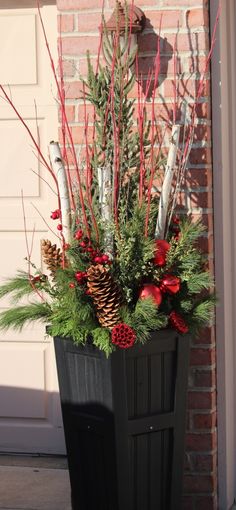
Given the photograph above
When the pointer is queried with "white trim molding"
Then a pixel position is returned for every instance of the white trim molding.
(224, 171)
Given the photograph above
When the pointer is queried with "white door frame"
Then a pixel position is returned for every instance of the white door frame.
(224, 172)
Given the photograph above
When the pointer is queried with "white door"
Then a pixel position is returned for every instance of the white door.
(30, 418)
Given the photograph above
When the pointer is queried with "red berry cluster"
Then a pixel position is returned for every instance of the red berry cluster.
(178, 323)
(85, 245)
(123, 336)
(81, 277)
(174, 227)
(56, 215)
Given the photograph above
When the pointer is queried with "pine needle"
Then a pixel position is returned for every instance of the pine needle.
(18, 286)
(17, 317)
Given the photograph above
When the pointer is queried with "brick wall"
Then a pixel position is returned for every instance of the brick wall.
(79, 20)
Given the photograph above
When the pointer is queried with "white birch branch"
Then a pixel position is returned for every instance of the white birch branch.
(105, 200)
(167, 183)
(59, 171)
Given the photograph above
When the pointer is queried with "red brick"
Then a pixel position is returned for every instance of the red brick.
(202, 199)
(79, 45)
(168, 19)
(185, 87)
(187, 462)
(202, 356)
(187, 42)
(198, 484)
(69, 68)
(206, 503)
(146, 65)
(139, 3)
(77, 5)
(204, 421)
(78, 134)
(89, 113)
(201, 155)
(186, 3)
(204, 442)
(203, 110)
(197, 18)
(206, 336)
(205, 378)
(198, 64)
(207, 221)
(74, 90)
(65, 23)
(196, 177)
(201, 400)
(188, 503)
(204, 463)
(206, 244)
(88, 22)
(70, 113)
(210, 265)
(202, 133)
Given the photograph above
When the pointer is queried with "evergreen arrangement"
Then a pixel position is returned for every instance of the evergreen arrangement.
(128, 262)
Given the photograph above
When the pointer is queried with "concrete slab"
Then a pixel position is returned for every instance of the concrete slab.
(34, 488)
(34, 460)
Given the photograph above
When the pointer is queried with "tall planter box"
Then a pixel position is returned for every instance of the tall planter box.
(124, 422)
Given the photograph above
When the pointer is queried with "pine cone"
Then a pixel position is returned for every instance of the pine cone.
(52, 256)
(105, 294)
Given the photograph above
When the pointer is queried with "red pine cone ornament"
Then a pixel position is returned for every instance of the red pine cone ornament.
(162, 247)
(178, 323)
(123, 336)
(170, 284)
(151, 291)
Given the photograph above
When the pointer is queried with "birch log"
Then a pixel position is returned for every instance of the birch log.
(59, 170)
(167, 183)
(105, 200)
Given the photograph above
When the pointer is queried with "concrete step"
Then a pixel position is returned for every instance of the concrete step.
(28, 483)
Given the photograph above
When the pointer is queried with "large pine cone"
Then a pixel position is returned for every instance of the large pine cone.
(105, 294)
(52, 256)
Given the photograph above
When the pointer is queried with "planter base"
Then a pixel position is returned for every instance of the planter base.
(124, 421)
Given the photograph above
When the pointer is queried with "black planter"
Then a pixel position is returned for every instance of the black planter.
(124, 422)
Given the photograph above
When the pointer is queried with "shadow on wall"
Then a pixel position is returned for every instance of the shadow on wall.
(182, 65)
(148, 44)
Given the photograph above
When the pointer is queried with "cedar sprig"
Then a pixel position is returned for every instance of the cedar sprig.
(102, 339)
(134, 254)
